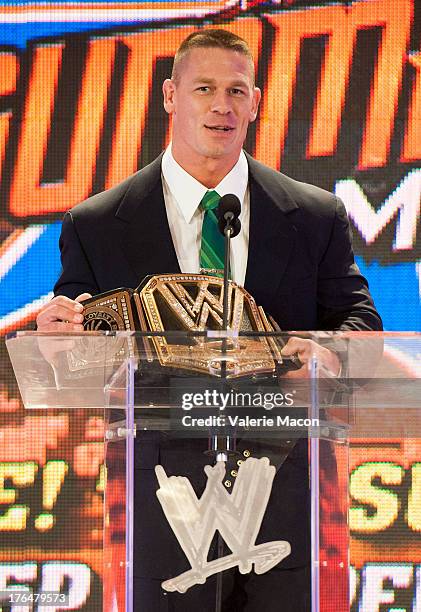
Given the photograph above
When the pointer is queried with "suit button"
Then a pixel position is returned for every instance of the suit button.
(246, 453)
(227, 483)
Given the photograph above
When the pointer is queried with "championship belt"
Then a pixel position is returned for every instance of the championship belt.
(189, 303)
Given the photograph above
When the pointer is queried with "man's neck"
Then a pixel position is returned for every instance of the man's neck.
(208, 171)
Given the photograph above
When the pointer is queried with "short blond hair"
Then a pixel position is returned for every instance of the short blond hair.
(205, 39)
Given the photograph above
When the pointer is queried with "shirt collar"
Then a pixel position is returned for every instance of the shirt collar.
(188, 192)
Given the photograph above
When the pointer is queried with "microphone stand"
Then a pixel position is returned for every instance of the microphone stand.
(227, 272)
(222, 447)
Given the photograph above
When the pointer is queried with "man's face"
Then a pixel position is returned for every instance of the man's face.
(212, 104)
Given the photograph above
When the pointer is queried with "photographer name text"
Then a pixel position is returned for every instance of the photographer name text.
(247, 421)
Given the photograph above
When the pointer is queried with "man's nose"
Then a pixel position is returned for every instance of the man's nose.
(221, 103)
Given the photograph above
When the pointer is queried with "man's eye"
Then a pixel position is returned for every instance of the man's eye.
(203, 88)
(237, 92)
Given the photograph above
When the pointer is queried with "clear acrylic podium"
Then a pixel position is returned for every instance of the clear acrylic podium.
(221, 415)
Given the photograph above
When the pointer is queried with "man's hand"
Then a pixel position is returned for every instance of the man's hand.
(62, 314)
(304, 349)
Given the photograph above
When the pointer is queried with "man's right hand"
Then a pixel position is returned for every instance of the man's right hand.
(62, 314)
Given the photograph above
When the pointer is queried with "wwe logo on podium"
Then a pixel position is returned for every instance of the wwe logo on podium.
(237, 516)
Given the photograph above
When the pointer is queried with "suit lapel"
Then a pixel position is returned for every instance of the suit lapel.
(272, 235)
(146, 240)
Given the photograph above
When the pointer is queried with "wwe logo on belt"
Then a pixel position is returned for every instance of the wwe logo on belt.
(199, 308)
(237, 516)
(202, 301)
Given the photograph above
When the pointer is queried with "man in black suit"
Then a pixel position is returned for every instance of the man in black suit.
(293, 255)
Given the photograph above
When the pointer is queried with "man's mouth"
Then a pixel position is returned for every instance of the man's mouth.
(219, 128)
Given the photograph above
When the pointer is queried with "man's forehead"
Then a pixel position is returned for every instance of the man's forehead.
(223, 63)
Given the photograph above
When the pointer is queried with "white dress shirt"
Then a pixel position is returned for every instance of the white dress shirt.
(183, 194)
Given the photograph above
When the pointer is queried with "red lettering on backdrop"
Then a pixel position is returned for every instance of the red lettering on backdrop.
(9, 71)
(412, 142)
(28, 195)
(340, 24)
(395, 19)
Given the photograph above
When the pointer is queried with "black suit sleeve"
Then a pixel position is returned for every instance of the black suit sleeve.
(77, 275)
(343, 298)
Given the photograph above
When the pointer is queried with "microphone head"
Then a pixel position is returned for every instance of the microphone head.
(234, 223)
(229, 203)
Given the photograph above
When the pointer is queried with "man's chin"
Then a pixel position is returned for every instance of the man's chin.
(218, 152)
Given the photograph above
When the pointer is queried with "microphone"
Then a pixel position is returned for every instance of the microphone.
(228, 211)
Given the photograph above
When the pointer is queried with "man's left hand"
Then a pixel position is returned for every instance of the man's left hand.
(328, 361)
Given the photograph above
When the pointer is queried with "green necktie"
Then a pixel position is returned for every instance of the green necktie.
(212, 246)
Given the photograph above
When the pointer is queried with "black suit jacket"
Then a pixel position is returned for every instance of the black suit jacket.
(300, 266)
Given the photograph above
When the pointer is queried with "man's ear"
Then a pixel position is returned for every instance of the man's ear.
(168, 90)
(257, 94)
